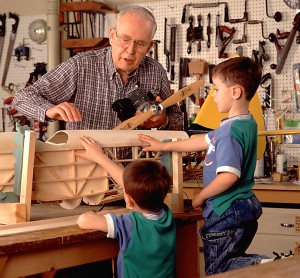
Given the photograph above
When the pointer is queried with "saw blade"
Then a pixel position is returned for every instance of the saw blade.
(12, 39)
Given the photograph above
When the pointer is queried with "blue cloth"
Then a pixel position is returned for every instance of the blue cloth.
(232, 148)
(230, 218)
(227, 237)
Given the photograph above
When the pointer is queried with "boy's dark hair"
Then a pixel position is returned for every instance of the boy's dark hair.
(147, 182)
(242, 71)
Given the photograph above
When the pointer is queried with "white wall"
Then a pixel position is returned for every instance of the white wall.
(23, 7)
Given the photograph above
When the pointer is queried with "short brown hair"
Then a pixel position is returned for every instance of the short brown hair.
(147, 182)
(242, 71)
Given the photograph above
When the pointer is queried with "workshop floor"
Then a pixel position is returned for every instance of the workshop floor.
(202, 271)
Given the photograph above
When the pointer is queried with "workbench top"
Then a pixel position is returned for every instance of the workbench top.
(288, 268)
(286, 193)
(66, 234)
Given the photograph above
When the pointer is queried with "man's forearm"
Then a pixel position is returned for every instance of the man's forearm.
(30, 104)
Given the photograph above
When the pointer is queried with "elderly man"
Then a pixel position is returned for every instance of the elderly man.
(81, 90)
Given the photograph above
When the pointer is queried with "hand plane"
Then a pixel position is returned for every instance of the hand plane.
(224, 40)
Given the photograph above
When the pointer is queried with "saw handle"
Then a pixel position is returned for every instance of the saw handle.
(183, 14)
(2, 27)
(15, 25)
(226, 15)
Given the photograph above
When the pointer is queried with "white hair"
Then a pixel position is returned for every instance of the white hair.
(140, 11)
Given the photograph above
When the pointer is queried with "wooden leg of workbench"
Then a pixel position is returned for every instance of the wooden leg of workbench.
(188, 257)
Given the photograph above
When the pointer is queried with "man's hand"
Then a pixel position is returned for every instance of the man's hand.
(65, 111)
(156, 121)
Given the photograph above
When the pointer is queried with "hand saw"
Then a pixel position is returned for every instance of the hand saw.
(11, 43)
(2, 32)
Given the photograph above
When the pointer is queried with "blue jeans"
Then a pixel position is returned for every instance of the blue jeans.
(226, 238)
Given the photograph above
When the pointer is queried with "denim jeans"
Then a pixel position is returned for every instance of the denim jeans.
(227, 237)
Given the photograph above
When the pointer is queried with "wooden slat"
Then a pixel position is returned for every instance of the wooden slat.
(11, 213)
(87, 6)
(40, 225)
(278, 132)
(69, 139)
(27, 171)
(85, 43)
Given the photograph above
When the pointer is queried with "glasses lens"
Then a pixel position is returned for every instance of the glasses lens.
(124, 41)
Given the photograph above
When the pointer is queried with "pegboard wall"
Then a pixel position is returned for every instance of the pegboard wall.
(282, 84)
(18, 72)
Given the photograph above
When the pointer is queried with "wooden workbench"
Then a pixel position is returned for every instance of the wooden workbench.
(288, 268)
(273, 192)
(48, 250)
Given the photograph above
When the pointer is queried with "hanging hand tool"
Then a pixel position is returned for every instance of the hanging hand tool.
(22, 52)
(190, 35)
(10, 48)
(244, 19)
(205, 5)
(183, 70)
(166, 51)
(267, 84)
(282, 51)
(262, 27)
(244, 37)
(224, 41)
(217, 29)
(198, 31)
(198, 67)
(154, 50)
(2, 32)
(239, 51)
(260, 56)
(173, 51)
(155, 47)
(277, 16)
(208, 30)
(280, 35)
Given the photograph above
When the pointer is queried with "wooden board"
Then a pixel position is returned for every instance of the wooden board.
(16, 212)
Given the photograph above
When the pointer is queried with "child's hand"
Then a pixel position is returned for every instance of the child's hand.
(93, 150)
(197, 201)
(155, 145)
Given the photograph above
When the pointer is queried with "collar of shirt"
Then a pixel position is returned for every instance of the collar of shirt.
(242, 116)
(154, 215)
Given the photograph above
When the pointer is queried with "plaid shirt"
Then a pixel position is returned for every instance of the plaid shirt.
(91, 81)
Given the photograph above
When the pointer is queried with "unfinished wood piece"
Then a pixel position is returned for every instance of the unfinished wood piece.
(16, 212)
(85, 43)
(38, 225)
(198, 67)
(27, 171)
(60, 175)
(7, 161)
(87, 6)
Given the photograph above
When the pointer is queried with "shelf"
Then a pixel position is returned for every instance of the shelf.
(85, 43)
(87, 6)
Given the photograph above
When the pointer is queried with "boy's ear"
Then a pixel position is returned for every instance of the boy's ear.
(237, 92)
(129, 201)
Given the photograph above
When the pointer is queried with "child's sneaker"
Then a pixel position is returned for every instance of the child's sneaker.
(281, 256)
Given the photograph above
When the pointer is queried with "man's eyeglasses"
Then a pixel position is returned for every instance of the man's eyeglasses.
(125, 41)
